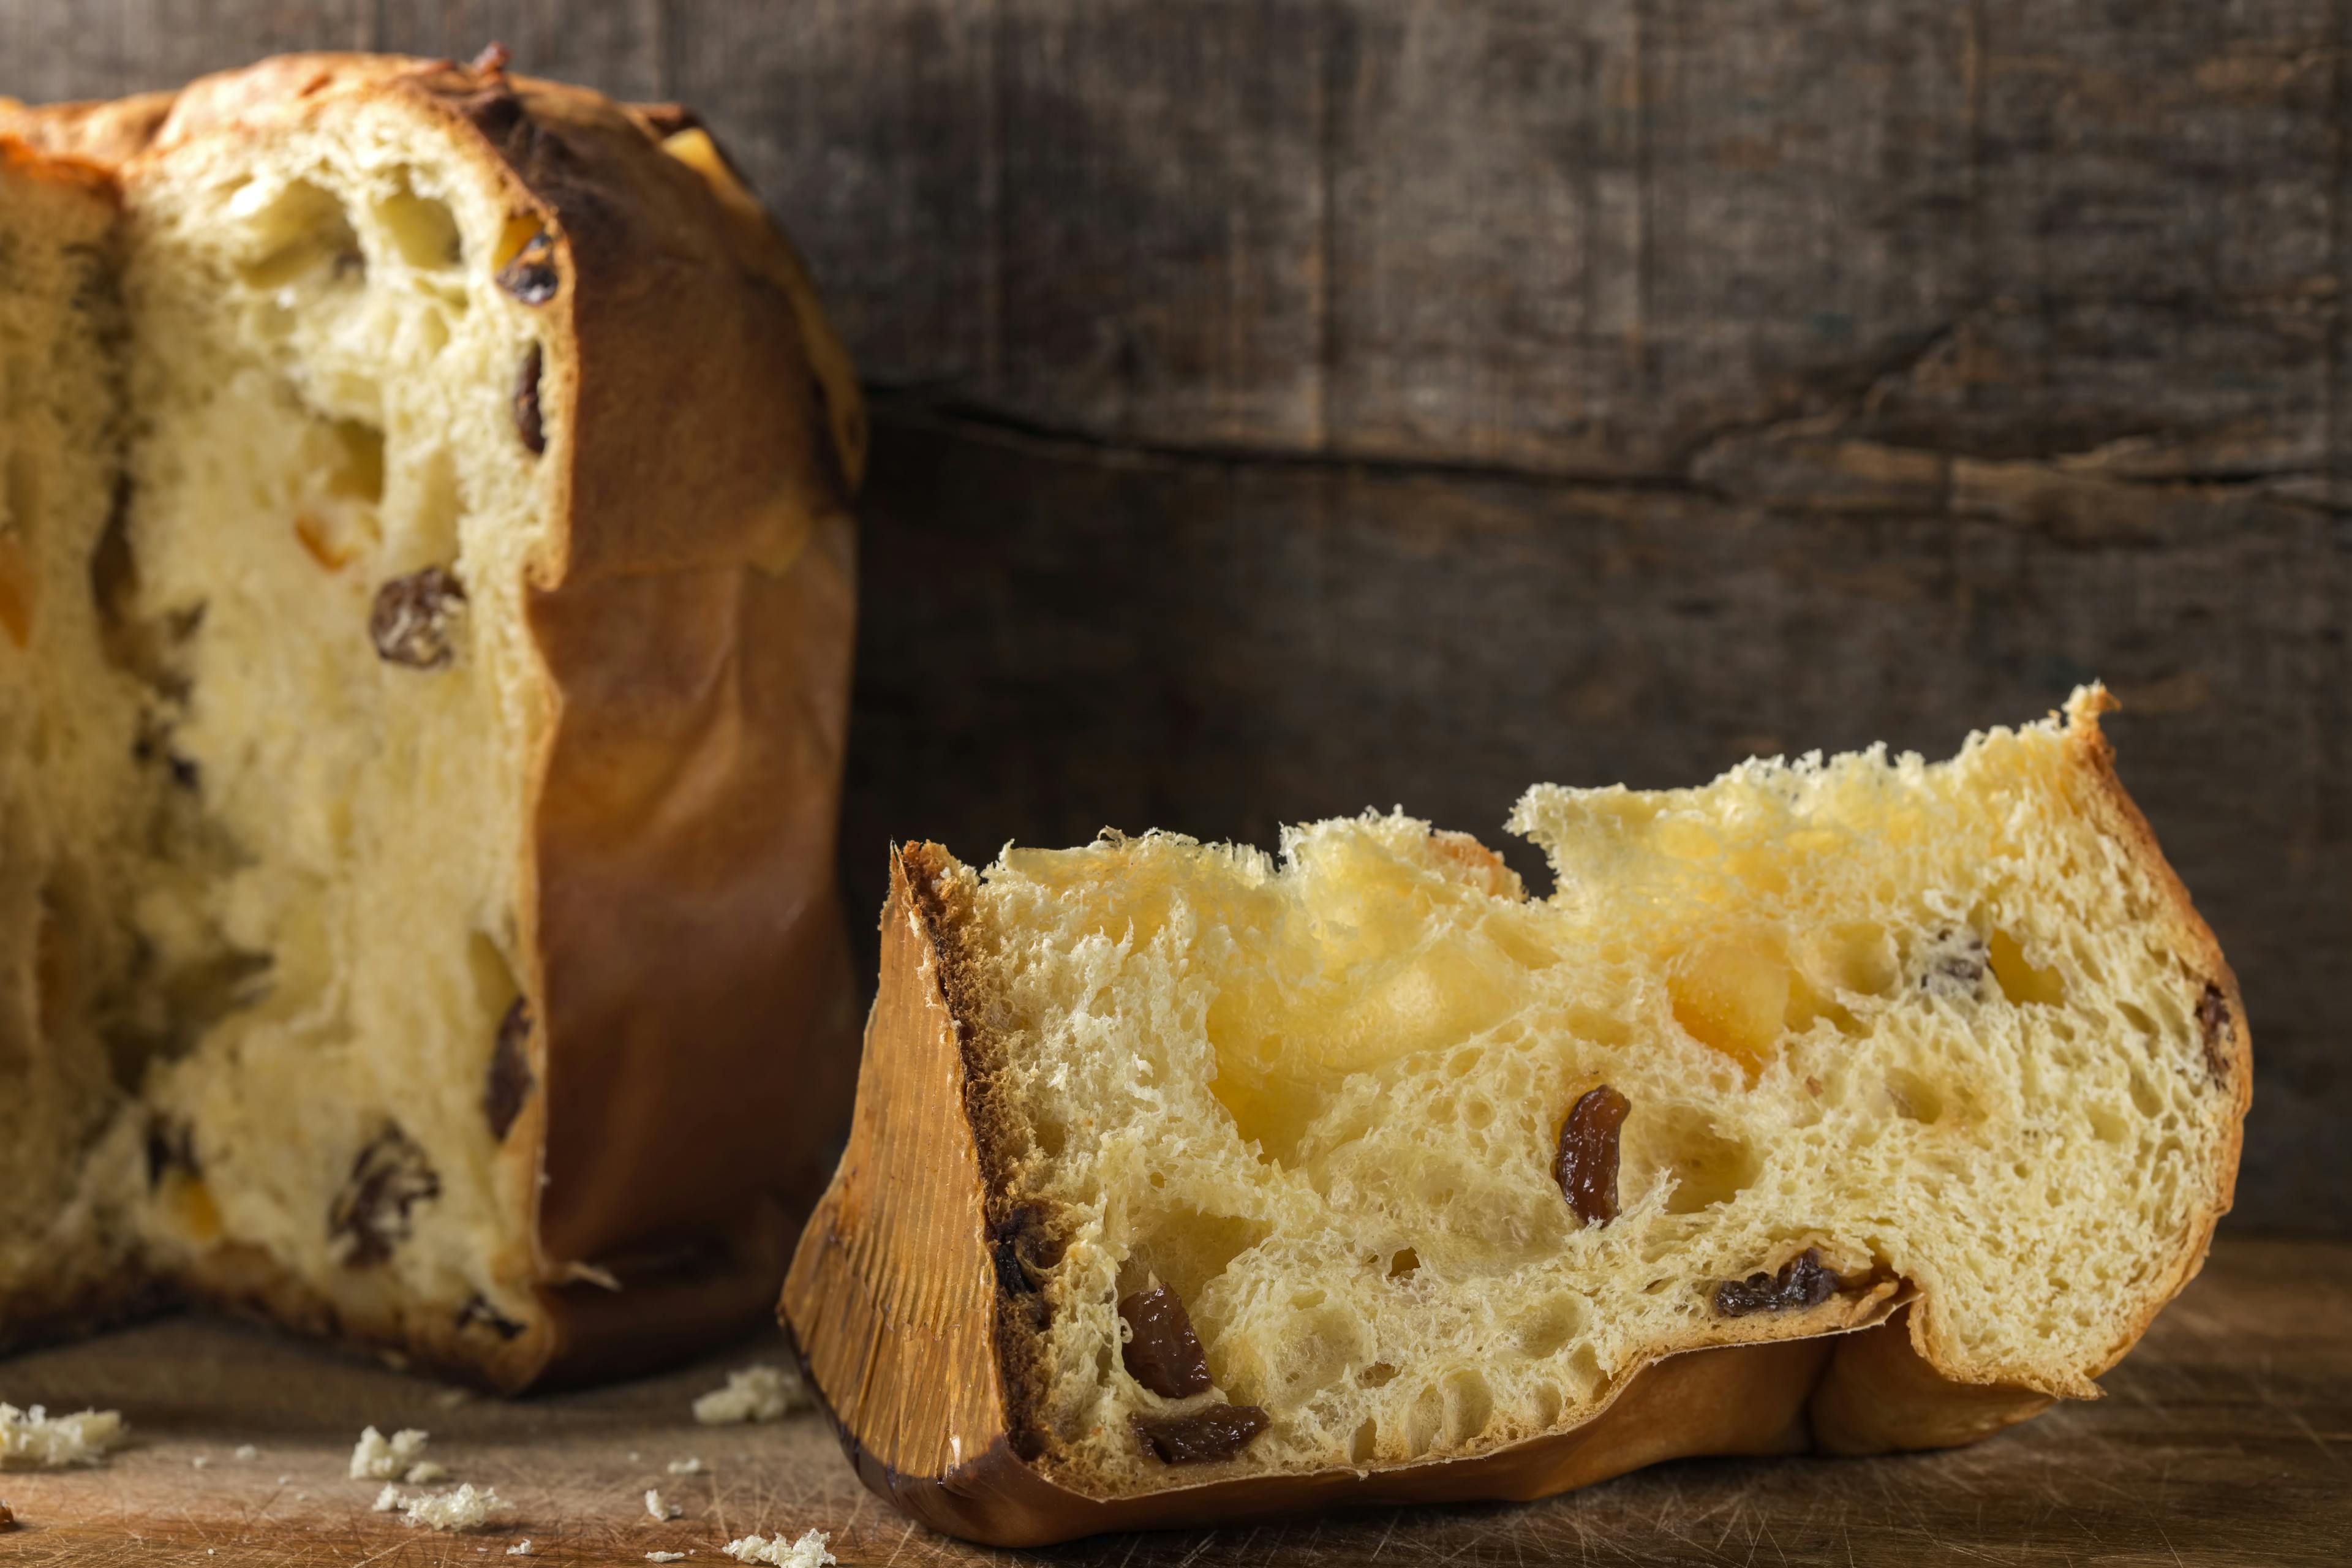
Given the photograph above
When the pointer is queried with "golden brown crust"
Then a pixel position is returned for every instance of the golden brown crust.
(104, 132)
(694, 617)
(962, 1454)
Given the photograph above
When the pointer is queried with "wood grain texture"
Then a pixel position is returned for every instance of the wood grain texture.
(2226, 1440)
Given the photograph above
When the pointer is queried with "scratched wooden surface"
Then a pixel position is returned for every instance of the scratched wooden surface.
(2225, 1438)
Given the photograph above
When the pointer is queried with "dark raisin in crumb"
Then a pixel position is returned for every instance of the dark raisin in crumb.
(511, 1080)
(1161, 1352)
(171, 1146)
(1218, 1431)
(478, 1313)
(2218, 1029)
(1023, 1248)
(1801, 1282)
(413, 616)
(526, 404)
(1586, 1168)
(370, 1216)
(532, 276)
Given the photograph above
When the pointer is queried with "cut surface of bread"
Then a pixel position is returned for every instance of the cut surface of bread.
(424, 720)
(1860, 1102)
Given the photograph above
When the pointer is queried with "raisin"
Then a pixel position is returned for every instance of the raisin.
(526, 404)
(2220, 1031)
(1586, 1168)
(370, 1216)
(477, 1312)
(1219, 1432)
(532, 278)
(511, 1080)
(413, 615)
(171, 1146)
(1162, 1353)
(1801, 1282)
(1022, 1248)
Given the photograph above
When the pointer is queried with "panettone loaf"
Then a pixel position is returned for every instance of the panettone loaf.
(1860, 1104)
(425, 724)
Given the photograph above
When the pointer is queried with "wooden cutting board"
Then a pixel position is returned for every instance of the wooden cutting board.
(2226, 1438)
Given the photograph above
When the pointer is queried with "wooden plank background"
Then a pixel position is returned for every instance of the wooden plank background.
(1291, 408)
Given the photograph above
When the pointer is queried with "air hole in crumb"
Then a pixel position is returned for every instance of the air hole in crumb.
(1186, 1249)
(1365, 1443)
(1861, 958)
(1424, 1420)
(1681, 1144)
(423, 231)
(1469, 1405)
(358, 474)
(1549, 1329)
(1914, 1099)
(1404, 1264)
(1584, 1369)
(1730, 994)
(2020, 981)
(2136, 1018)
(299, 233)
(2144, 1097)
(1376, 1375)
(2107, 1126)
(1547, 1401)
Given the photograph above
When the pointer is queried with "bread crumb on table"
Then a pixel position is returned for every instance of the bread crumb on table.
(688, 1467)
(520, 1547)
(665, 1556)
(246, 1451)
(388, 1499)
(660, 1509)
(468, 1507)
(376, 1458)
(30, 1439)
(427, 1473)
(808, 1551)
(752, 1394)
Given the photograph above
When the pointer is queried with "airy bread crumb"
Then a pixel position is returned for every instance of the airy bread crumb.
(387, 1500)
(468, 1507)
(659, 1508)
(376, 1458)
(520, 1547)
(692, 1465)
(665, 1556)
(808, 1551)
(761, 1393)
(34, 1438)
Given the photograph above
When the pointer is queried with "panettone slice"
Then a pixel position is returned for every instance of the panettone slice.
(1855, 1104)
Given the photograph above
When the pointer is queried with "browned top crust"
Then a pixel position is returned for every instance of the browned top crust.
(694, 617)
